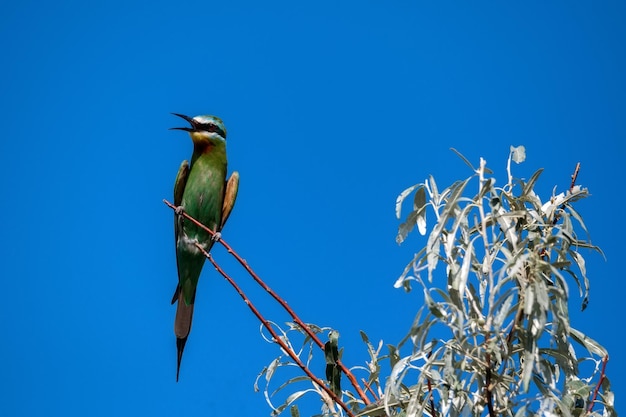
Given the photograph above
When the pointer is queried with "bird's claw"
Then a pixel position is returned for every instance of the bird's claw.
(216, 236)
(179, 210)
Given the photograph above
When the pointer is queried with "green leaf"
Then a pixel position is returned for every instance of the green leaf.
(293, 397)
(394, 355)
(591, 345)
(403, 195)
(503, 311)
(419, 205)
(464, 159)
(527, 369)
(530, 185)
(432, 188)
(290, 381)
(434, 307)
(271, 368)
(406, 227)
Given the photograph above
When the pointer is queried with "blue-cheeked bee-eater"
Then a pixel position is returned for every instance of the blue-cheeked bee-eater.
(202, 191)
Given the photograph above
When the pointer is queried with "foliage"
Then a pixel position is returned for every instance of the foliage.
(496, 337)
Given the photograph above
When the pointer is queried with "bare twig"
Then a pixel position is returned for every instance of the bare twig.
(488, 387)
(595, 391)
(571, 189)
(275, 336)
(282, 302)
(574, 176)
(430, 392)
(369, 388)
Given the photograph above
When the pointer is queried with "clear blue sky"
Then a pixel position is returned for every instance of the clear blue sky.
(331, 110)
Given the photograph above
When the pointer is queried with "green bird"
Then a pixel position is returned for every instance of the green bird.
(201, 190)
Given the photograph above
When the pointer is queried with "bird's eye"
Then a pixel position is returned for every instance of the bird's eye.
(211, 127)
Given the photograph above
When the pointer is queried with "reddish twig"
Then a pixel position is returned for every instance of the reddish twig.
(275, 336)
(595, 391)
(282, 302)
(430, 392)
(571, 189)
(574, 176)
(369, 388)
(488, 388)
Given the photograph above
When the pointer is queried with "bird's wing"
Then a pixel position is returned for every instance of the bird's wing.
(230, 195)
(181, 181)
(179, 189)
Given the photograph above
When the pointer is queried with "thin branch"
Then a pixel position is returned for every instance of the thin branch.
(369, 388)
(516, 321)
(595, 391)
(282, 302)
(488, 387)
(571, 189)
(574, 176)
(275, 335)
(430, 392)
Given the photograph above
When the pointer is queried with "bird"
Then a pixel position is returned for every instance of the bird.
(202, 191)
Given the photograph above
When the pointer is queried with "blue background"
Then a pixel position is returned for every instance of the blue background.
(331, 110)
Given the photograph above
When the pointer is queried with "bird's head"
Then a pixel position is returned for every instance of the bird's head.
(204, 130)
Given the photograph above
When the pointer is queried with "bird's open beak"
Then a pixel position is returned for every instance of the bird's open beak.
(189, 119)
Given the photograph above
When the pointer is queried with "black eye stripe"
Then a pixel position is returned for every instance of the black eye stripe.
(210, 127)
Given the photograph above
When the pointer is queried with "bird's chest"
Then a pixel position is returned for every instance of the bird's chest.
(203, 197)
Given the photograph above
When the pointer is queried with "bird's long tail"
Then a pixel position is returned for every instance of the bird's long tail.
(182, 325)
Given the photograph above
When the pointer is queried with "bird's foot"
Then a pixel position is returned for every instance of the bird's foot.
(216, 236)
(179, 210)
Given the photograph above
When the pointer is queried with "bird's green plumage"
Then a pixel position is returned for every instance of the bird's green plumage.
(202, 199)
(201, 191)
